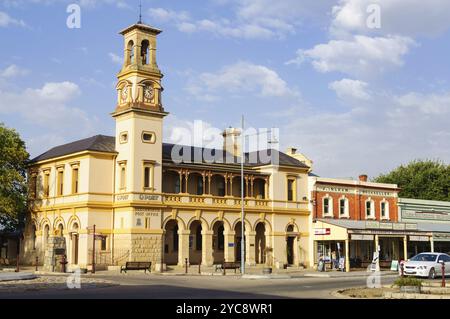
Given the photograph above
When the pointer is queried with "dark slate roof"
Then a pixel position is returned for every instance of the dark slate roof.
(252, 159)
(102, 143)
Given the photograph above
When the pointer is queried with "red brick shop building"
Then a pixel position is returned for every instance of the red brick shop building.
(352, 219)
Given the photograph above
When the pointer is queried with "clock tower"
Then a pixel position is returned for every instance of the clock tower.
(139, 114)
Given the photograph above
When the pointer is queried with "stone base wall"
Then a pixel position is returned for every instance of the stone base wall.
(146, 247)
(51, 259)
(138, 247)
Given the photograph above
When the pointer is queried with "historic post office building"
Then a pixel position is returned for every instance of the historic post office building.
(146, 206)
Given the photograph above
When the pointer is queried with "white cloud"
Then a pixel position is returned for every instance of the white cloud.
(251, 19)
(164, 15)
(359, 56)
(432, 104)
(47, 107)
(237, 78)
(6, 20)
(121, 4)
(347, 88)
(402, 17)
(13, 71)
(115, 58)
(392, 130)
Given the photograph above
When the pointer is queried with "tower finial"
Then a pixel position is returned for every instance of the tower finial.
(140, 12)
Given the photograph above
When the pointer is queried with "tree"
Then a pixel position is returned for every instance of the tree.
(13, 182)
(421, 179)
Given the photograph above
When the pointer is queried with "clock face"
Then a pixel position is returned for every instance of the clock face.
(148, 92)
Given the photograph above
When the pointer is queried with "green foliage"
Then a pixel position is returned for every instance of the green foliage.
(419, 179)
(13, 183)
(408, 281)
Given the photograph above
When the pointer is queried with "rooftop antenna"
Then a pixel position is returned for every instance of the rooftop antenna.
(140, 12)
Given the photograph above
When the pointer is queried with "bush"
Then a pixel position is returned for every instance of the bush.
(408, 281)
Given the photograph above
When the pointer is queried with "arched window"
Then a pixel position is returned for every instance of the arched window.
(60, 230)
(46, 234)
(327, 205)
(130, 50)
(343, 207)
(145, 52)
(370, 209)
(384, 209)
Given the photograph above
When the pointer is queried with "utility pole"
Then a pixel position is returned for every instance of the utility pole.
(242, 198)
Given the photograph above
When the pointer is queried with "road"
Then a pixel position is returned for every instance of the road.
(137, 286)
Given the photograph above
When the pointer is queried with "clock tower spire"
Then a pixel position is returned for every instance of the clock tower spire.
(139, 113)
(139, 80)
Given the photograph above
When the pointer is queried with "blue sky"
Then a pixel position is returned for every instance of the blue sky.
(354, 99)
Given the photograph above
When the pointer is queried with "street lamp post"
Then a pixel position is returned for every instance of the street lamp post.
(242, 198)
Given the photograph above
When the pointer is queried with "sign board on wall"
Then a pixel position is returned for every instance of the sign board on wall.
(362, 237)
(426, 215)
(322, 231)
(441, 236)
(419, 238)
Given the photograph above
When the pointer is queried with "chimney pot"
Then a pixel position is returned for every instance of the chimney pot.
(231, 141)
(291, 150)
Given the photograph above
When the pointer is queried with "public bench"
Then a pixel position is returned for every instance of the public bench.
(136, 265)
(231, 265)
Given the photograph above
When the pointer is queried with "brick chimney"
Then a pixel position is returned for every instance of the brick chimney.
(363, 178)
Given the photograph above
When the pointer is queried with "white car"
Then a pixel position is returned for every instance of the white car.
(426, 265)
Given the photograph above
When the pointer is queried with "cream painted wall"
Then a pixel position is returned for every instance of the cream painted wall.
(135, 151)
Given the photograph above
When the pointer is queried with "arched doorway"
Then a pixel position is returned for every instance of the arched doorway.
(171, 242)
(290, 240)
(260, 243)
(237, 240)
(75, 239)
(46, 235)
(218, 242)
(33, 237)
(195, 243)
(60, 230)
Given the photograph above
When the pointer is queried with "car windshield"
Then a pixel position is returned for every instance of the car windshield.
(424, 257)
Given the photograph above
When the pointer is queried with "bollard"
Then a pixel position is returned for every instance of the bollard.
(402, 265)
(37, 261)
(186, 264)
(199, 270)
(443, 274)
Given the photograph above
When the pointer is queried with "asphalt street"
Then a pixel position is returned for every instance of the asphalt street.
(138, 286)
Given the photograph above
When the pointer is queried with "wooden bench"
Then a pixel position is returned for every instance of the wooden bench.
(230, 265)
(137, 265)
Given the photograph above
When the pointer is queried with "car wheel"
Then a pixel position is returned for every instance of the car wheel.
(432, 274)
